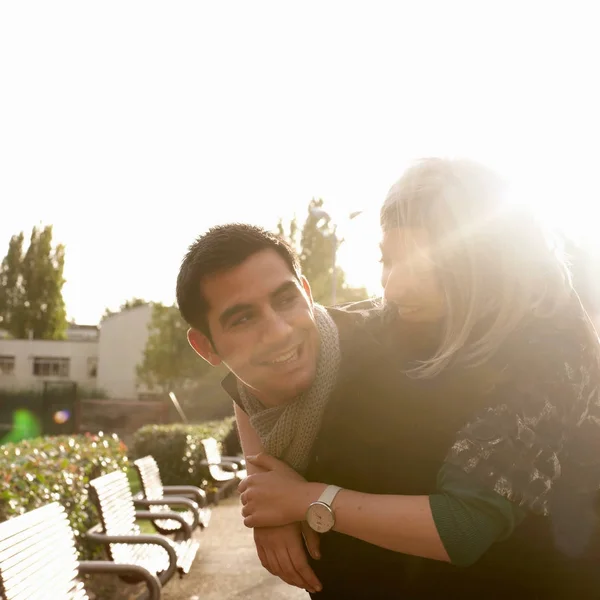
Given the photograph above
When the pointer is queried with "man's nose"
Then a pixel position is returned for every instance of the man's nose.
(276, 328)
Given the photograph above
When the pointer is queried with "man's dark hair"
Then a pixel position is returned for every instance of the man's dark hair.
(218, 250)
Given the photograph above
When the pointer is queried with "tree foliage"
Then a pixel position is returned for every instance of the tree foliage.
(31, 282)
(132, 303)
(169, 363)
(314, 241)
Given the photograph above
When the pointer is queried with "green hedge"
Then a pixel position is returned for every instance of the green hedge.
(177, 449)
(36, 472)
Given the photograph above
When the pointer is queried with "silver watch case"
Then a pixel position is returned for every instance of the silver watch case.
(320, 517)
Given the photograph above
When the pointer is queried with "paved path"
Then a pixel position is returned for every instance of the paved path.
(226, 567)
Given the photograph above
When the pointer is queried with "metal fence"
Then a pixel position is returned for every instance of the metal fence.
(59, 410)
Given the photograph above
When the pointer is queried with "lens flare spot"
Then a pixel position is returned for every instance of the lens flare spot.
(61, 417)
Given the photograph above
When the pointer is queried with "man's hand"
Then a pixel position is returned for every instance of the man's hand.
(282, 552)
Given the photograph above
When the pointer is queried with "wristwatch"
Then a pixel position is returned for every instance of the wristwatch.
(320, 515)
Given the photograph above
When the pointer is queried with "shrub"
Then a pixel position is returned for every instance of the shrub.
(178, 450)
(43, 470)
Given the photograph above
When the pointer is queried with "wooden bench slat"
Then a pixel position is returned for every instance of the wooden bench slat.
(154, 491)
(34, 565)
(24, 539)
(151, 479)
(38, 558)
(186, 552)
(213, 457)
(117, 509)
(170, 524)
(38, 586)
(22, 522)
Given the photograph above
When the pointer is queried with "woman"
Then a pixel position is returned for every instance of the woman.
(485, 325)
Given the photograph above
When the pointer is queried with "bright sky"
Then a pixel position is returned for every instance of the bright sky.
(134, 126)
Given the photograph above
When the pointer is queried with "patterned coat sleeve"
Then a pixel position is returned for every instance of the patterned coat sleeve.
(539, 443)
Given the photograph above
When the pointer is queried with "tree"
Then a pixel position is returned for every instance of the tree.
(133, 303)
(169, 363)
(11, 281)
(316, 251)
(31, 301)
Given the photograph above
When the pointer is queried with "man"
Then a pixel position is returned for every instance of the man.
(241, 290)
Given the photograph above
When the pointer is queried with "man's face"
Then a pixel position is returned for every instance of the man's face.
(262, 326)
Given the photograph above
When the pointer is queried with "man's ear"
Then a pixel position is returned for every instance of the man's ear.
(203, 346)
(307, 290)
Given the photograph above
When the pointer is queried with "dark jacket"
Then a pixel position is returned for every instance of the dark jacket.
(385, 433)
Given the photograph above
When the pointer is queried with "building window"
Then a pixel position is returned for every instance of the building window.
(92, 364)
(51, 367)
(7, 365)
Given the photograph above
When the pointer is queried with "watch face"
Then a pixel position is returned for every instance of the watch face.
(320, 517)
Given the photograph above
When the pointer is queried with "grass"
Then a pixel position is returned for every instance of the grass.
(134, 481)
(136, 486)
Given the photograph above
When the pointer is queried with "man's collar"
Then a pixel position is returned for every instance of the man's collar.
(229, 384)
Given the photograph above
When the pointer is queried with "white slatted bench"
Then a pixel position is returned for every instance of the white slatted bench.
(225, 472)
(159, 498)
(38, 559)
(121, 535)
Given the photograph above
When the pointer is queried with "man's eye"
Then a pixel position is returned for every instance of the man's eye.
(287, 300)
(240, 321)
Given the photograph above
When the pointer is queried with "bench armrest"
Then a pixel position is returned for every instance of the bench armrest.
(90, 567)
(199, 495)
(172, 501)
(226, 465)
(240, 461)
(103, 538)
(146, 515)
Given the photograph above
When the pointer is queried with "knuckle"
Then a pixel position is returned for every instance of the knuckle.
(303, 567)
(300, 562)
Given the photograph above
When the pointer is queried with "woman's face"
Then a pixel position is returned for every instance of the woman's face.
(409, 276)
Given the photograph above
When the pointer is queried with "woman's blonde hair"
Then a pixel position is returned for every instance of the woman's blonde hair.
(495, 262)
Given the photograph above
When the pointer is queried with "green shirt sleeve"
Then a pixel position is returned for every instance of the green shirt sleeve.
(469, 517)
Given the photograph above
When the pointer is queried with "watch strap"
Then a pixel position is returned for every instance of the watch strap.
(329, 494)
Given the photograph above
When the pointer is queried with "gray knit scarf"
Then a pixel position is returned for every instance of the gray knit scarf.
(288, 432)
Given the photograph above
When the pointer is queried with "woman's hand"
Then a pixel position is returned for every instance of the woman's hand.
(278, 496)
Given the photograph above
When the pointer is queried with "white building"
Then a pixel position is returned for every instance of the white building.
(82, 332)
(26, 364)
(123, 337)
(102, 358)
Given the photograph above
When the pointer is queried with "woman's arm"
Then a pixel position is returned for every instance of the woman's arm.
(469, 516)
(456, 525)
(399, 523)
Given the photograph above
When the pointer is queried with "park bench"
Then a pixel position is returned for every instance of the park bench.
(225, 472)
(160, 498)
(38, 559)
(122, 537)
